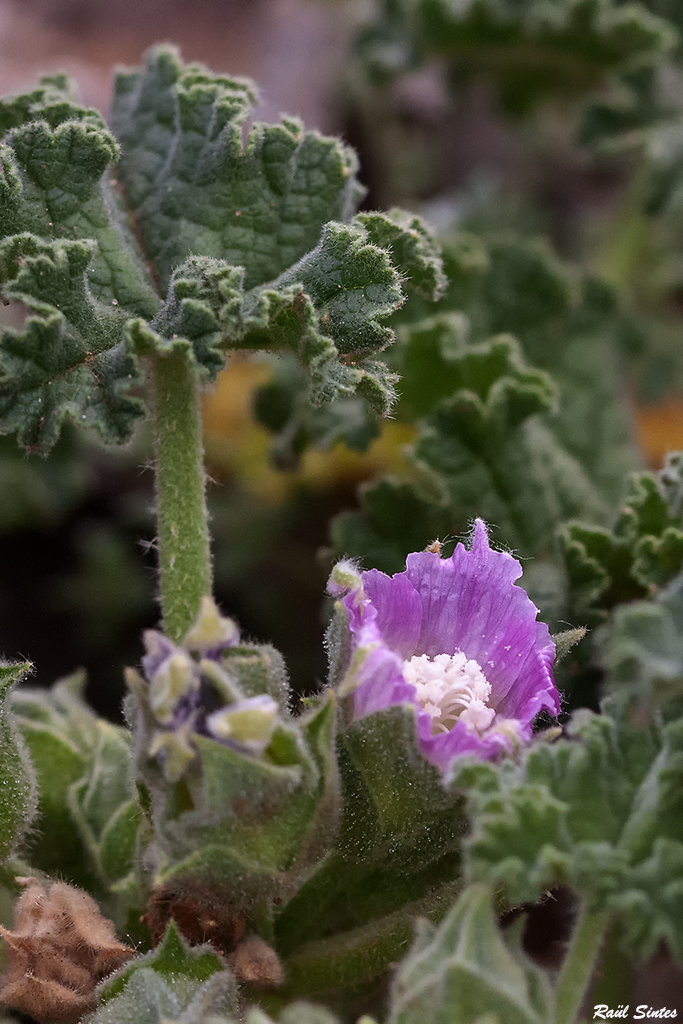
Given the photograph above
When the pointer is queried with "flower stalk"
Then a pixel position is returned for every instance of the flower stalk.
(182, 517)
(579, 964)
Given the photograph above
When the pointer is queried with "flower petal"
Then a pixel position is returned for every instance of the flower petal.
(459, 741)
(399, 610)
(375, 674)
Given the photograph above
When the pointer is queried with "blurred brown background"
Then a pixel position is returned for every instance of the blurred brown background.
(293, 48)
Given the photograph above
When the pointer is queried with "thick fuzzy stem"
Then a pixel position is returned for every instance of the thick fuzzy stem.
(182, 518)
(579, 964)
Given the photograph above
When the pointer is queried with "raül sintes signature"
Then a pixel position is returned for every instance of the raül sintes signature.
(622, 1012)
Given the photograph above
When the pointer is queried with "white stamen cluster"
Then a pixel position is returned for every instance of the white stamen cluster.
(451, 687)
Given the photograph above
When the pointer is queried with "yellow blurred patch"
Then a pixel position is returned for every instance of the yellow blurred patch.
(237, 446)
(660, 429)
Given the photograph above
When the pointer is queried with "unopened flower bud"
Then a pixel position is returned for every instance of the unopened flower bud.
(249, 723)
(344, 577)
(176, 751)
(176, 677)
(211, 630)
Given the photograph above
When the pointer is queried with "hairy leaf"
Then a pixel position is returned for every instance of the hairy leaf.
(172, 982)
(643, 551)
(485, 448)
(399, 845)
(54, 156)
(194, 188)
(70, 359)
(570, 326)
(463, 971)
(246, 243)
(642, 651)
(599, 811)
(326, 309)
(88, 812)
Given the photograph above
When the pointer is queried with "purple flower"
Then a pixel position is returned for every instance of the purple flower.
(457, 639)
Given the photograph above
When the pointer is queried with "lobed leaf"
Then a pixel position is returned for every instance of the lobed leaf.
(194, 188)
(54, 155)
(482, 447)
(245, 243)
(70, 359)
(599, 811)
(643, 551)
(642, 651)
(326, 309)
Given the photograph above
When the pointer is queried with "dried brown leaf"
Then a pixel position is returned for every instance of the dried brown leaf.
(60, 949)
(256, 962)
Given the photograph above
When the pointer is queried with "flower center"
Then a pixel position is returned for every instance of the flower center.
(451, 687)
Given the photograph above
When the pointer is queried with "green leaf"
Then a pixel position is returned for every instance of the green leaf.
(399, 841)
(571, 326)
(69, 361)
(245, 242)
(463, 970)
(194, 188)
(402, 793)
(171, 958)
(643, 551)
(326, 309)
(104, 804)
(642, 651)
(88, 816)
(348, 899)
(395, 518)
(485, 448)
(17, 780)
(494, 372)
(397, 855)
(54, 156)
(276, 272)
(600, 812)
(362, 955)
(525, 50)
(173, 982)
(413, 250)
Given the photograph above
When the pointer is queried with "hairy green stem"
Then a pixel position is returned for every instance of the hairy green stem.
(577, 970)
(182, 518)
